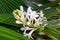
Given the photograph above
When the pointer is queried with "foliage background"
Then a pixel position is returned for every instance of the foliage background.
(9, 30)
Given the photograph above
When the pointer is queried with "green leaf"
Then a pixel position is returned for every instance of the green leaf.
(8, 18)
(51, 36)
(54, 24)
(52, 33)
(10, 5)
(7, 34)
(53, 11)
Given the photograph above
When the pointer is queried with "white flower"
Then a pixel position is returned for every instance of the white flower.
(29, 11)
(27, 34)
(34, 15)
(30, 33)
(31, 14)
(29, 18)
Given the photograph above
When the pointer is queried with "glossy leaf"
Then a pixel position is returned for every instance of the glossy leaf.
(7, 34)
(8, 18)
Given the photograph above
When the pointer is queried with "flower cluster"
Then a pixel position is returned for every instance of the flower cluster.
(31, 20)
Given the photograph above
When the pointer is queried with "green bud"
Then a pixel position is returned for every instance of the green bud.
(17, 14)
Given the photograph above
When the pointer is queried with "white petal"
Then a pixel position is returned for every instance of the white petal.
(41, 11)
(21, 8)
(28, 23)
(27, 28)
(37, 15)
(26, 35)
(18, 22)
(30, 33)
(22, 28)
(29, 10)
(41, 14)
